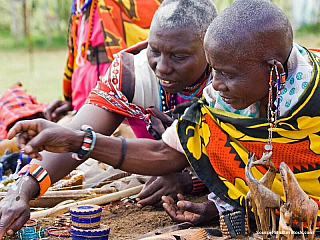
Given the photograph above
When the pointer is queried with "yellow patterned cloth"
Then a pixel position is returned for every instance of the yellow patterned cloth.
(217, 143)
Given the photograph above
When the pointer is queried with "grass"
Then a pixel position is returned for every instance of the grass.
(40, 72)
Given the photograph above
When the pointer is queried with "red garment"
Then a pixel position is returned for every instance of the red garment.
(16, 104)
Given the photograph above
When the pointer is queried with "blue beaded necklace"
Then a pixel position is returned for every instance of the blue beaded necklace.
(167, 100)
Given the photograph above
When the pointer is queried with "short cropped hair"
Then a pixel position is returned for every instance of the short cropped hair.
(249, 25)
(194, 14)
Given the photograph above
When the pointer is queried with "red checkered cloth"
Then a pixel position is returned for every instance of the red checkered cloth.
(15, 105)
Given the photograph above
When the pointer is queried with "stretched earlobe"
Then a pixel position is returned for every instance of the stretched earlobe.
(273, 62)
(277, 73)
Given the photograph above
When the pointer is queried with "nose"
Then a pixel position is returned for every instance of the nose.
(163, 65)
(218, 83)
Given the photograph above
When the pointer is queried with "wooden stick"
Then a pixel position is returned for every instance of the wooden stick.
(98, 201)
(74, 193)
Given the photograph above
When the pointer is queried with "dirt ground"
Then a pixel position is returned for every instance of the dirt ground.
(129, 221)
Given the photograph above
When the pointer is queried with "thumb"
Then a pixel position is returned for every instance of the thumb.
(36, 144)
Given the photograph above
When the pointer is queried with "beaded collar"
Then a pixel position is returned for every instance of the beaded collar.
(196, 89)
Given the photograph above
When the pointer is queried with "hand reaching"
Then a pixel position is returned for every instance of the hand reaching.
(39, 134)
(168, 185)
(186, 211)
(14, 212)
(56, 109)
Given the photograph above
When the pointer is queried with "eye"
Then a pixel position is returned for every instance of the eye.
(154, 52)
(227, 75)
(178, 57)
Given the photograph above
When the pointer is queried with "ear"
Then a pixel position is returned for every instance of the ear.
(274, 62)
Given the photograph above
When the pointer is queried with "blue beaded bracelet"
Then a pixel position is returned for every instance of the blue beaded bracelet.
(88, 143)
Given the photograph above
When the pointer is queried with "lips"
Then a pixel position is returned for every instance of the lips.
(228, 100)
(167, 83)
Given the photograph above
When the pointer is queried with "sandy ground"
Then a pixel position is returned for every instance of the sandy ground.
(128, 222)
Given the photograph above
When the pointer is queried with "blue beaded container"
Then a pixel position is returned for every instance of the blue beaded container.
(101, 233)
(85, 216)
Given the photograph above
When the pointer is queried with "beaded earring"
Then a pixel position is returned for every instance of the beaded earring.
(277, 81)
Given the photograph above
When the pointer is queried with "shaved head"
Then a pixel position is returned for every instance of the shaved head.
(195, 15)
(256, 27)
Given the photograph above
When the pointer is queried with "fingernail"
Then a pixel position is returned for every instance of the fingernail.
(28, 149)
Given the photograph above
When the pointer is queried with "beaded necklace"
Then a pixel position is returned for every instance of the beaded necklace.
(273, 110)
(168, 100)
(82, 52)
(196, 90)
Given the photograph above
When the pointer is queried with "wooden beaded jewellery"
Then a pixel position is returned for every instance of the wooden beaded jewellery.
(273, 110)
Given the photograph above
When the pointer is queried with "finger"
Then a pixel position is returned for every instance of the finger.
(145, 186)
(22, 126)
(154, 200)
(19, 222)
(35, 145)
(151, 189)
(167, 199)
(61, 110)
(51, 108)
(198, 208)
(170, 210)
(5, 224)
(180, 197)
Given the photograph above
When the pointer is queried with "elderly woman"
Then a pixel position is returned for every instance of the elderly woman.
(168, 69)
(215, 134)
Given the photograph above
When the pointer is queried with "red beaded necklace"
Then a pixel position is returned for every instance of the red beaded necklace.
(82, 52)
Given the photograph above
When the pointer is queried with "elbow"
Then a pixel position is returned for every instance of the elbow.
(172, 160)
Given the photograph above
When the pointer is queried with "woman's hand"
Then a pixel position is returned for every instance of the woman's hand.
(14, 212)
(167, 185)
(185, 211)
(39, 134)
(57, 109)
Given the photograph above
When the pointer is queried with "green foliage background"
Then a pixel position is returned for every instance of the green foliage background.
(37, 60)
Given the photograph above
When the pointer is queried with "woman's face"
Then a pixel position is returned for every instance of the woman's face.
(240, 80)
(176, 56)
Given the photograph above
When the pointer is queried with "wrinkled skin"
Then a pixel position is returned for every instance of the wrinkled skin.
(57, 109)
(39, 137)
(176, 56)
(13, 213)
(186, 211)
(168, 185)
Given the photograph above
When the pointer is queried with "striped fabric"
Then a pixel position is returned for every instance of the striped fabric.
(16, 104)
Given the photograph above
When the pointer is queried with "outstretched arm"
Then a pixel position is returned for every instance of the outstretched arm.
(143, 156)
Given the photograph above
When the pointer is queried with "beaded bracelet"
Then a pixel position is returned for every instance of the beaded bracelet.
(31, 223)
(123, 152)
(28, 232)
(62, 232)
(39, 174)
(88, 143)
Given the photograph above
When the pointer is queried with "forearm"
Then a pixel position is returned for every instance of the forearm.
(58, 165)
(143, 156)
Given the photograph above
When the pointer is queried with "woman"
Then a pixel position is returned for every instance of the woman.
(174, 62)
